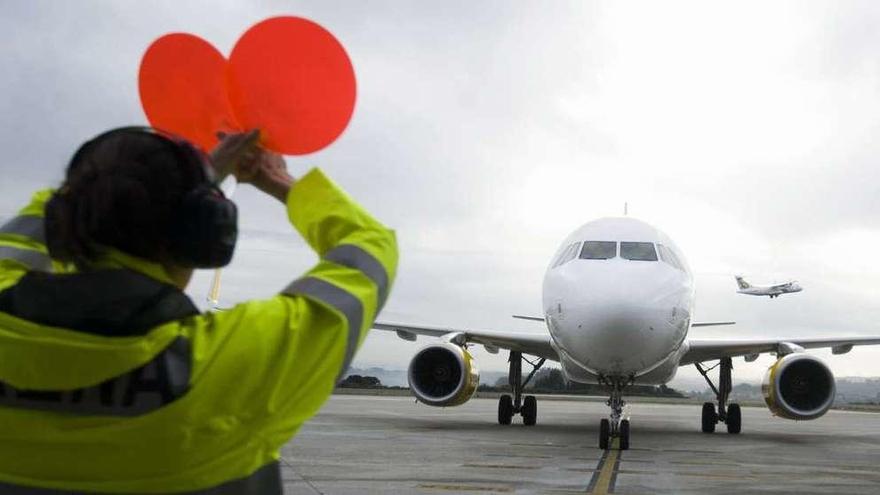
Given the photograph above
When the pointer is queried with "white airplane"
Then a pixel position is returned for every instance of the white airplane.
(767, 290)
(618, 299)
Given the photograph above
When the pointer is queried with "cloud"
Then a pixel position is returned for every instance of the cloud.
(486, 132)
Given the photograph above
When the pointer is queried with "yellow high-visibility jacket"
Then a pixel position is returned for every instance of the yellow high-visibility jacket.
(184, 404)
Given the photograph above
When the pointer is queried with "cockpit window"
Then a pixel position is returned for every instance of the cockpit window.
(599, 250)
(567, 254)
(668, 256)
(638, 251)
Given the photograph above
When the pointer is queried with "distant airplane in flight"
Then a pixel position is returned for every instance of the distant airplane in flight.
(767, 290)
(618, 302)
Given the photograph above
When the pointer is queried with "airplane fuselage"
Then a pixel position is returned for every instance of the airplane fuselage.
(771, 290)
(618, 299)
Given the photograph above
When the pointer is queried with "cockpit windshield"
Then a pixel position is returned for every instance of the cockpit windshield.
(638, 251)
(567, 254)
(598, 250)
(668, 256)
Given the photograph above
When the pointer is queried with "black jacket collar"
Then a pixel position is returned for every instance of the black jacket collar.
(113, 303)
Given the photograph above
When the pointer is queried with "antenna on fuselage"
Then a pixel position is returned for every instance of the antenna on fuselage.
(625, 209)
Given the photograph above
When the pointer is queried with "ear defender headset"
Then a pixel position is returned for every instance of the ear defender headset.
(204, 231)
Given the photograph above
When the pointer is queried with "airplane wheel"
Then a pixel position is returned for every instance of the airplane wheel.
(604, 433)
(734, 419)
(530, 410)
(709, 417)
(505, 409)
(624, 434)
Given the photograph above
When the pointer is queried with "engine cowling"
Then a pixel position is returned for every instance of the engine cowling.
(799, 386)
(443, 375)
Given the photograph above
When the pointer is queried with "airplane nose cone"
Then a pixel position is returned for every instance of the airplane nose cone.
(624, 337)
(624, 329)
(617, 324)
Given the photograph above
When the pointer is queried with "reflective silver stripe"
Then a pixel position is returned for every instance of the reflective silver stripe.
(263, 481)
(29, 226)
(34, 259)
(359, 259)
(337, 298)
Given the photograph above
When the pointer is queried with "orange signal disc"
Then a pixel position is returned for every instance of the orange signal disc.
(182, 85)
(292, 79)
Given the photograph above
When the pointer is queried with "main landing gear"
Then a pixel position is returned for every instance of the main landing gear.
(526, 406)
(616, 427)
(731, 414)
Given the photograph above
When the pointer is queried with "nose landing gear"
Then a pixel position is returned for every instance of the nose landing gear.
(526, 406)
(616, 427)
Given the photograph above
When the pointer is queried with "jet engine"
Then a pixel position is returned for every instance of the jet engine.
(798, 386)
(443, 375)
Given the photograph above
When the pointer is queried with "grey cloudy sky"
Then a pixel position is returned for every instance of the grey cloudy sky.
(485, 132)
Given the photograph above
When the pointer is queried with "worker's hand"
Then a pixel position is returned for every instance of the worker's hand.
(233, 151)
(268, 173)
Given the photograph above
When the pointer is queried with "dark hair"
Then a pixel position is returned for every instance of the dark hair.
(121, 190)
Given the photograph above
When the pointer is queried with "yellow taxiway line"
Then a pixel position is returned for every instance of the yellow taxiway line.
(602, 483)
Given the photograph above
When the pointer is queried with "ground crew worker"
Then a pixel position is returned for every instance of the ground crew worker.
(111, 381)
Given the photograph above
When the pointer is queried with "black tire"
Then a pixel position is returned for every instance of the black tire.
(604, 433)
(530, 410)
(505, 409)
(734, 419)
(624, 434)
(709, 417)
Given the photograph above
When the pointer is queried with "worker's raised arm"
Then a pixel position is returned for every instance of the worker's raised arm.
(358, 254)
(340, 231)
(288, 352)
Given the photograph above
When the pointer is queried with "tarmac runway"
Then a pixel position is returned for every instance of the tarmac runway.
(391, 445)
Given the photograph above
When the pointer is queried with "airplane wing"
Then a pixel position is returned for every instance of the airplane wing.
(534, 344)
(532, 318)
(707, 350)
(695, 324)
